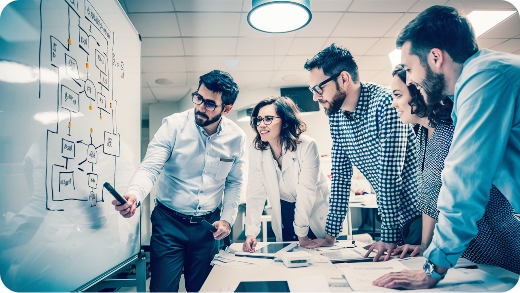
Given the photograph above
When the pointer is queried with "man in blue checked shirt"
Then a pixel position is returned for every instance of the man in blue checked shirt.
(366, 133)
(485, 150)
(197, 159)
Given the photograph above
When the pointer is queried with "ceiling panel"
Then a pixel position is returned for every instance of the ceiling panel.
(467, 6)
(155, 24)
(366, 75)
(356, 46)
(507, 29)
(322, 24)
(354, 24)
(381, 5)
(423, 4)
(210, 46)
(282, 45)
(206, 64)
(384, 78)
(200, 24)
(300, 77)
(510, 46)
(255, 46)
(373, 62)
(177, 78)
(162, 47)
(489, 43)
(294, 62)
(147, 96)
(148, 6)
(163, 64)
(330, 5)
(208, 5)
(306, 46)
(394, 30)
(170, 93)
(246, 78)
(248, 63)
(382, 47)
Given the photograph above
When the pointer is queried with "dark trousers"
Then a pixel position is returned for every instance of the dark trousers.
(287, 222)
(176, 244)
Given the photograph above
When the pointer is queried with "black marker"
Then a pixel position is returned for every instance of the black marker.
(209, 226)
(117, 196)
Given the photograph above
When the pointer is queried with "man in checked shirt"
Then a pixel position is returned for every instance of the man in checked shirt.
(366, 133)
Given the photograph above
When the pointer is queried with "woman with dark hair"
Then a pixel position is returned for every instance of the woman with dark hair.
(284, 167)
(498, 229)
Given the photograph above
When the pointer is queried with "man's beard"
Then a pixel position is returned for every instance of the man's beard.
(336, 103)
(208, 121)
(433, 85)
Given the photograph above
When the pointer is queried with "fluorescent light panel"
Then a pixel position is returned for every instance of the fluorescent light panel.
(483, 21)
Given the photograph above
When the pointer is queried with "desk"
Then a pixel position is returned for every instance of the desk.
(226, 279)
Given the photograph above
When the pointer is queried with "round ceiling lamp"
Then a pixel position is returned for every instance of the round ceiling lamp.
(279, 16)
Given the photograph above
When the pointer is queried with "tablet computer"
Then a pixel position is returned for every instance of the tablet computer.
(270, 250)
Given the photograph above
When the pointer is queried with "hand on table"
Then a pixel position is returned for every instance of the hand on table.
(414, 250)
(319, 242)
(407, 279)
(381, 248)
(249, 244)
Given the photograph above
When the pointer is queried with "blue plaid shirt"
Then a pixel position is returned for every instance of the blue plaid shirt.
(374, 140)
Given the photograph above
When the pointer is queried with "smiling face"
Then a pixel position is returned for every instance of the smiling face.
(330, 99)
(401, 99)
(269, 133)
(430, 84)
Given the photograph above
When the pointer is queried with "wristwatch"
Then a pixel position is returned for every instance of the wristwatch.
(429, 269)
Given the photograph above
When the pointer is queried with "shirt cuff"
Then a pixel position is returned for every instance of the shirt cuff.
(301, 231)
(389, 235)
(435, 255)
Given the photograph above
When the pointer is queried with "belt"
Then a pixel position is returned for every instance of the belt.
(189, 218)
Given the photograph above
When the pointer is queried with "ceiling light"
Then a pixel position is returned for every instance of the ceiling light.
(232, 62)
(483, 21)
(395, 57)
(279, 16)
(163, 81)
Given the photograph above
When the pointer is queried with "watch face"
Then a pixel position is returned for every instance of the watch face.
(428, 268)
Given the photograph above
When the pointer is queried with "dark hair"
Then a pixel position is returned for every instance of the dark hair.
(440, 27)
(437, 113)
(292, 123)
(219, 81)
(333, 60)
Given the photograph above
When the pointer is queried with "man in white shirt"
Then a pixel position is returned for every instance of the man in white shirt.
(196, 157)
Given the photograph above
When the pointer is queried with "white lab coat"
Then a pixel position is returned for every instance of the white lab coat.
(312, 189)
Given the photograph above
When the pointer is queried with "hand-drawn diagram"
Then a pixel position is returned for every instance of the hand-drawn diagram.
(83, 150)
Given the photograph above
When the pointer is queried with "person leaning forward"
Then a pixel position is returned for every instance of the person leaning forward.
(196, 156)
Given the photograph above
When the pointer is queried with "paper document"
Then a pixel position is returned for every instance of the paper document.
(316, 283)
(348, 255)
(228, 259)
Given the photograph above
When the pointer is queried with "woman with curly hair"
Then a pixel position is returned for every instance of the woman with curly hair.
(284, 167)
(498, 228)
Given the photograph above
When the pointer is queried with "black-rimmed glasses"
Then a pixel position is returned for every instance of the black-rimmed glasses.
(197, 99)
(267, 120)
(318, 88)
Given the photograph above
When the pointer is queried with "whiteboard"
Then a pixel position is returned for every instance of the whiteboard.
(69, 121)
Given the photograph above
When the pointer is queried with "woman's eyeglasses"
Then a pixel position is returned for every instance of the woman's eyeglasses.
(197, 99)
(267, 120)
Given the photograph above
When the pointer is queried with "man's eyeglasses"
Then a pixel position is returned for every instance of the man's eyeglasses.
(267, 120)
(318, 88)
(197, 99)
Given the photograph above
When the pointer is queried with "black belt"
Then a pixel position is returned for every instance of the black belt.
(189, 218)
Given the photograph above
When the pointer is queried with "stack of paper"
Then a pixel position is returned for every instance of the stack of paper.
(225, 259)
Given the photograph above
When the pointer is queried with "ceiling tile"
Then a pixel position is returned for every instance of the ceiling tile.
(287, 84)
(322, 24)
(200, 24)
(421, 5)
(383, 78)
(507, 29)
(489, 43)
(261, 63)
(330, 5)
(394, 30)
(381, 5)
(282, 45)
(365, 24)
(366, 75)
(356, 46)
(148, 6)
(292, 77)
(163, 64)
(373, 62)
(193, 78)
(208, 5)
(306, 46)
(246, 78)
(206, 64)
(162, 47)
(255, 46)
(177, 78)
(170, 93)
(151, 25)
(147, 95)
(383, 47)
(210, 46)
(278, 61)
(467, 6)
(510, 46)
(294, 62)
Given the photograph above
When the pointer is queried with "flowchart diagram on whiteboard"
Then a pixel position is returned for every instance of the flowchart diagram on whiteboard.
(84, 144)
